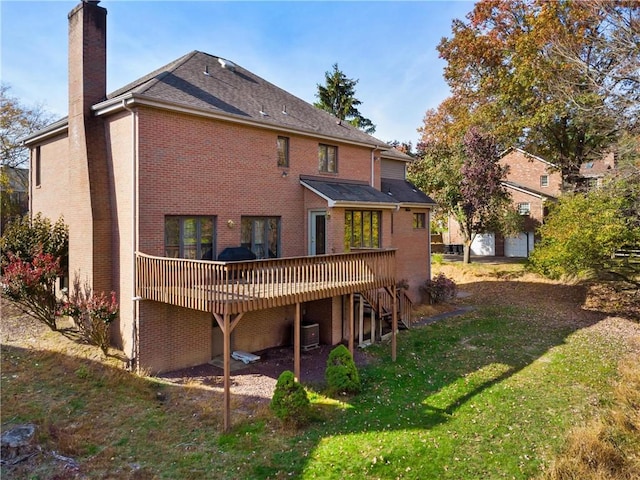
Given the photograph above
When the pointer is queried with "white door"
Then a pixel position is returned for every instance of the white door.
(484, 244)
(517, 246)
(317, 233)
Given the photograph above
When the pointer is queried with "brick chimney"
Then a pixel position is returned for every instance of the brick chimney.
(90, 219)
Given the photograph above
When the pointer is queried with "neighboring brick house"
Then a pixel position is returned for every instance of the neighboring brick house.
(158, 178)
(533, 183)
(593, 172)
(14, 194)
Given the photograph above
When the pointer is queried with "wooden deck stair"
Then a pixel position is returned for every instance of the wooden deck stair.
(381, 302)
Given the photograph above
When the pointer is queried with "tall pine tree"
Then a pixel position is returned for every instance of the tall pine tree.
(337, 96)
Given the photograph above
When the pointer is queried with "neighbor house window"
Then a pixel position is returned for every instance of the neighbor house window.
(261, 235)
(37, 167)
(327, 158)
(524, 208)
(419, 220)
(544, 180)
(283, 151)
(189, 237)
(362, 229)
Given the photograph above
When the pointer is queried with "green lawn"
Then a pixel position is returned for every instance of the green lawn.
(491, 394)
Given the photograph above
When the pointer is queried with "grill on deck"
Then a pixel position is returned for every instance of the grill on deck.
(236, 254)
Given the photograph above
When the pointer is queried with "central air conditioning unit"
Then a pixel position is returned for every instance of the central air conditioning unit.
(309, 336)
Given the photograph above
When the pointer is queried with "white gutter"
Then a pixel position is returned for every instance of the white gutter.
(116, 104)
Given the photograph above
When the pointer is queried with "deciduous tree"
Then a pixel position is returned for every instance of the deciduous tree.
(559, 79)
(584, 231)
(465, 180)
(17, 121)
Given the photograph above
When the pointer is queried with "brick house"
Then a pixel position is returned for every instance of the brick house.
(160, 177)
(532, 183)
(14, 194)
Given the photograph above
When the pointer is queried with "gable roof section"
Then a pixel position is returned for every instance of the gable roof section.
(405, 193)
(347, 193)
(395, 154)
(209, 85)
(527, 154)
(527, 190)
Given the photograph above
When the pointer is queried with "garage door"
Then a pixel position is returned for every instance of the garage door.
(518, 246)
(484, 244)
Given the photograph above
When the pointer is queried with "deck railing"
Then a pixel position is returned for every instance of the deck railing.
(235, 287)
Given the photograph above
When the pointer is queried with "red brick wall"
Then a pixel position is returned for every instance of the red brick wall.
(52, 198)
(121, 158)
(526, 170)
(195, 166)
(264, 329)
(172, 337)
(412, 256)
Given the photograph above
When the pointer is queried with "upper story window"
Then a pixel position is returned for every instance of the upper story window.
(37, 167)
(419, 220)
(362, 229)
(283, 151)
(261, 235)
(189, 237)
(544, 180)
(524, 208)
(327, 158)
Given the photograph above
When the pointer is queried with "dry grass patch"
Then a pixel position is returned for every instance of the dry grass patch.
(608, 447)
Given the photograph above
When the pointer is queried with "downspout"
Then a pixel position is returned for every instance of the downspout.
(373, 158)
(135, 300)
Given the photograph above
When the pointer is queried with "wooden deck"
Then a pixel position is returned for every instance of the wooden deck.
(238, 287)
(228, 290)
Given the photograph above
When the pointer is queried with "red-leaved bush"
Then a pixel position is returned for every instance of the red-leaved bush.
(92, 314)
(31, 286)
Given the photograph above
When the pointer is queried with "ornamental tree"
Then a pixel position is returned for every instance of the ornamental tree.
(465, 180)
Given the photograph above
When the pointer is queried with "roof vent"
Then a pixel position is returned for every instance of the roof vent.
(206, 70)
(262, 112)
(284, 109)
(227, 64)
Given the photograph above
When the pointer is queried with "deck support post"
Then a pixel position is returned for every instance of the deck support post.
(351, 322)
(296, 343)
(394, 324)
(227, 325)
(360, 320)
(226, 331)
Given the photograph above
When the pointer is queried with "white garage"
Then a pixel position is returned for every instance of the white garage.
(484, 244)
(519, 246)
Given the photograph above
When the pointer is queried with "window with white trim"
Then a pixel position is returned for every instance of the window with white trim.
(544, 180)
(524, 208)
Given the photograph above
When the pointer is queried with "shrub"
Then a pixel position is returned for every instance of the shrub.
(341, 373)
(290, 402)
(30, 284)
(92, 314)
(25, 238)
(439, 289)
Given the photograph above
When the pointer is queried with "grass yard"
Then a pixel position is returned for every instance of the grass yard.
(490, 394)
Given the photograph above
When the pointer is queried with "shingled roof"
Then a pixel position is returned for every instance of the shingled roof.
(213, 85)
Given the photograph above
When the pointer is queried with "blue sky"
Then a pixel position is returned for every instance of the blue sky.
(389, 46)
